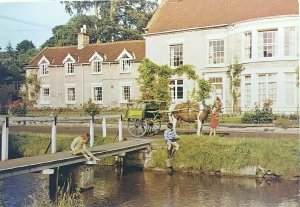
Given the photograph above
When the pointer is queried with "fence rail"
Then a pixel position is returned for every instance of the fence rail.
(55, 120)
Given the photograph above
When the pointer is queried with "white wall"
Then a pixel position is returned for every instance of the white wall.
(195, 52)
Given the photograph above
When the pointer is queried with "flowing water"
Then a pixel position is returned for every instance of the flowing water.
(145, 188)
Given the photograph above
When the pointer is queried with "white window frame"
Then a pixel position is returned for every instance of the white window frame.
(266, 86)
(68, 101)
(69, 63)
(123, 98)
(217, 81)
(69, 68)
(290, 88)
(175, 87)
(290, 42)
(96, 62)
(44, 69)
(267, 44)
(125, 64)
(247, 91)
(176, 55)
(101, 94)
(216, 57)
(125, 60)
(97, 66)
(248, 46)
(45, 97)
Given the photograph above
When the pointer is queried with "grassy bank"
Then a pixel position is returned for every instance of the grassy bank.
(207, 154)
(204, 154)
(28, 144)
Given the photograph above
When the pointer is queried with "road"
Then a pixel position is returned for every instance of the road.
(111, 131)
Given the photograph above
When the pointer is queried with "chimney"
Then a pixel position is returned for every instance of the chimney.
(83, 38)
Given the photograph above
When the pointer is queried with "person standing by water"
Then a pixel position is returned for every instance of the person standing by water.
(78, 146)
(214, 123)
(170, 137)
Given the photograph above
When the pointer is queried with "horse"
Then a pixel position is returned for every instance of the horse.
(193, 112)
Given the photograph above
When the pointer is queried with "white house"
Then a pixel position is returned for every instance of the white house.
(263, 35)
(104, 72)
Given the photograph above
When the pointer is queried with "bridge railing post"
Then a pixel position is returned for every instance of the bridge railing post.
(104, 127)
(53, 135)
(120, 129)
(4, 143)
(92, 132)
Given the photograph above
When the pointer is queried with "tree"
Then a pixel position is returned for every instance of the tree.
(16, 60)
(113, 21)
(204, 89)
(234, 72)
(24, 46)
(154, 79)
(64, 35)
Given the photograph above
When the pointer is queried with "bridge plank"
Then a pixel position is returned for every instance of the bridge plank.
(46, 161)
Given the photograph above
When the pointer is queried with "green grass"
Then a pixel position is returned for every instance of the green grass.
(28, 144)
(231, 119)
(207, 154)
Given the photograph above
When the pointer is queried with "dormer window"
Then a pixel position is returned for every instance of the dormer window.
(96, 63)
(125, 60)
(69, 68)
(44, 69)
(69, 62)
(125, 65)
(97, 66)
(43, 66)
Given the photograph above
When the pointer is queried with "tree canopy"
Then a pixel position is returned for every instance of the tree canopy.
(111, 21)
(15, 61)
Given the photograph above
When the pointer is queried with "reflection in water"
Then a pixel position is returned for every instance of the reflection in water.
(138, 188)
(161, 189)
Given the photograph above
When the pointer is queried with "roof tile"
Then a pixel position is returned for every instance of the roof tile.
(186, 14)
(111, 50)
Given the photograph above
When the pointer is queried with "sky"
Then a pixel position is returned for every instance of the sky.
(32, 20)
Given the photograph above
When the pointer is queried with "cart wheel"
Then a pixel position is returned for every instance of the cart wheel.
(154, 126)
(137, 127)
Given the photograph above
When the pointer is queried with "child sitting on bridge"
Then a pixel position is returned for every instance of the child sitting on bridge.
(78, 146)
(170, 137)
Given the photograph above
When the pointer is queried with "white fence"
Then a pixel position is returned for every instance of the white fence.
(55, 120)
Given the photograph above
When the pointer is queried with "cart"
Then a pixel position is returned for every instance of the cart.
(144, 118)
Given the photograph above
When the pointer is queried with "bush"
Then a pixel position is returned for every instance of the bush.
(259, 116)
(91, 108)
(283, 122)
(17, 108)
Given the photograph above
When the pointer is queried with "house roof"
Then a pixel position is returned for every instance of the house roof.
(175, 15)
(110, 51)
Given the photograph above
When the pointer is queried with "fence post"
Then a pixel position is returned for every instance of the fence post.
(104, 127)
(92, 132)
(5, 130)
(120, 129)
(53, 135)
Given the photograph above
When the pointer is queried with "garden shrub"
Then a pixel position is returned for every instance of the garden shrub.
(283, 122)
(17, 108)
(259, 116)
(91, 108)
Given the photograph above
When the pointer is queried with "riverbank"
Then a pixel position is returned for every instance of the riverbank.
(197, 154)
(219, 155)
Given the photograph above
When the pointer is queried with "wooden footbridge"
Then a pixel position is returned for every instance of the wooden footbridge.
(59, 159)
(54, 160)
